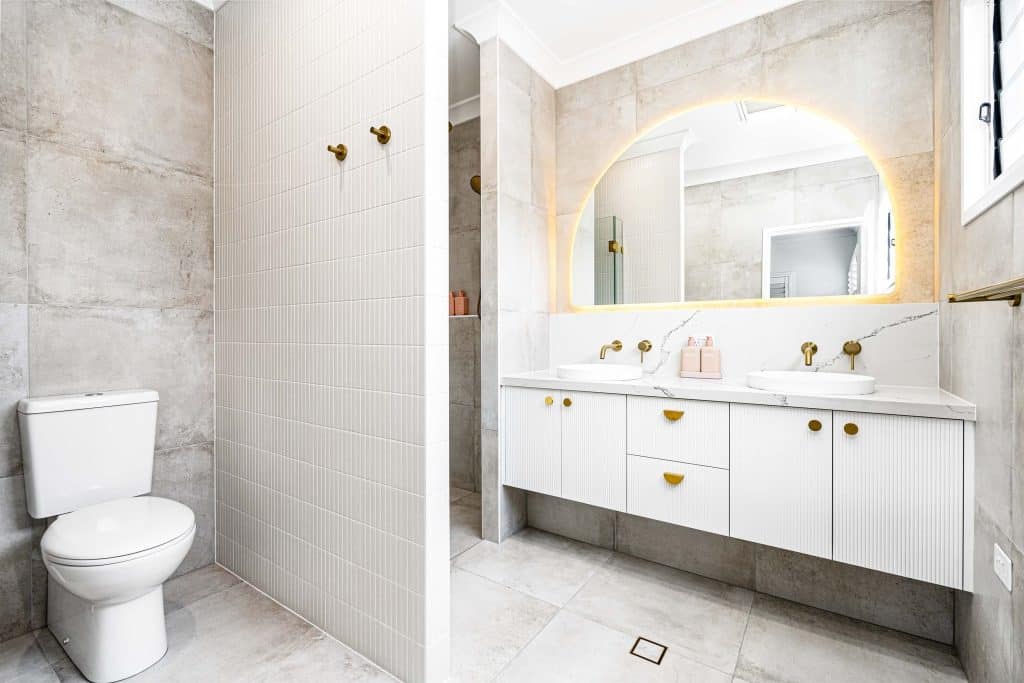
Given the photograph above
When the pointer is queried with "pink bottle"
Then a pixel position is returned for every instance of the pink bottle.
(710, 360)
(689, 361)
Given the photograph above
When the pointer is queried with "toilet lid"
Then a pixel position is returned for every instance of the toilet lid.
(116, 528)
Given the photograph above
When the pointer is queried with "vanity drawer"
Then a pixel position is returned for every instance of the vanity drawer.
(672, 429)
(700, 500)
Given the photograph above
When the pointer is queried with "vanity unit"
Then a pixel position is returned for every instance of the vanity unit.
(883, 481)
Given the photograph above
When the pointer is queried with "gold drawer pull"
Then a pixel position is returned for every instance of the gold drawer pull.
(566, 402)
(851, 429)
(674, 478)
(814, 425)
(672, 415)
(548, 400)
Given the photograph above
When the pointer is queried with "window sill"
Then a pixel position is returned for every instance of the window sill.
(1000, 188)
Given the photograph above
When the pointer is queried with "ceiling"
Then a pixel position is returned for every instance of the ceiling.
(569, 40)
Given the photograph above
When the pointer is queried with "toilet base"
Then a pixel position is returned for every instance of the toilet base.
(108, 642)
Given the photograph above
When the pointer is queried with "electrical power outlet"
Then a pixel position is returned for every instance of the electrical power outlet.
(1002, 566)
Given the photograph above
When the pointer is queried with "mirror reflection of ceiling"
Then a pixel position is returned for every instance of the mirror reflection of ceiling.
(733, 201)
(566, 41)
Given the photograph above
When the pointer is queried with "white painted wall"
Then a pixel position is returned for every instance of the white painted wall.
(331, 319)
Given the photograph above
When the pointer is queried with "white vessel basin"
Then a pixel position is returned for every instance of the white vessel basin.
(797, 382)
(601, 372)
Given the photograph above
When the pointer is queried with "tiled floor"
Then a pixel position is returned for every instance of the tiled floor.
(542, 608)
(536, 608)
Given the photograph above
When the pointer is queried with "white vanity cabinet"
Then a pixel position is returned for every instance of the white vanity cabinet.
(893, 493)
(568, 444)
(899, 495)
(781, 477)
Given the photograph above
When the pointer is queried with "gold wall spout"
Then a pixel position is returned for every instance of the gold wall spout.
(809, 349)
(1010, 290)
(614, 346)
(339, 151)
(383, 134)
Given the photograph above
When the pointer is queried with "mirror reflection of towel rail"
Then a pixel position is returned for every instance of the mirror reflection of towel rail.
(1011, 291)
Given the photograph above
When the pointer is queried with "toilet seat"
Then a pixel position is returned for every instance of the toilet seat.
(116, 531)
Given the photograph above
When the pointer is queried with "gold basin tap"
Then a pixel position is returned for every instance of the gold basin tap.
(614, 346)
(809, 349)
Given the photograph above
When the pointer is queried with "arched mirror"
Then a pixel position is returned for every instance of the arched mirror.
(736, 200)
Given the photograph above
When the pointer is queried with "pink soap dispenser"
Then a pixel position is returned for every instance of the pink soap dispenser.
(710, 360)
(689, 361)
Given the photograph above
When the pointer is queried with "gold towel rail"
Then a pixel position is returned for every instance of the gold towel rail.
(1011, 291)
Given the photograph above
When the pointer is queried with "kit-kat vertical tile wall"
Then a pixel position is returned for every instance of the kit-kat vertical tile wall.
(331, 332)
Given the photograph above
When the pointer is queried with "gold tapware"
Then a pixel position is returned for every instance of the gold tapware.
(383, 134)
(645, 346)
(851, 429)
(548, 400)
(566, 402)
(614, 247)
(814, 425)
(852, 348)
(474, 184)
(674, 478)
(809, 349)
(339, 151)
(672, 415)
(616, 346)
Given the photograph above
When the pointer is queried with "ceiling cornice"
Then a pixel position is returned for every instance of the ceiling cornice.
(497, 20)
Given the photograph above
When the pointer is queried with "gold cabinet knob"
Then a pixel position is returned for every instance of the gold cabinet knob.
(566, 402)
(383, 134)
(814, 425)
(339, 151)
(672, 415)
(674, 478)
(548, 400)
(851, 429)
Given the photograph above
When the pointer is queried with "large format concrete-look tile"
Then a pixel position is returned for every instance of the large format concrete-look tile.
(15, 559)
(490, 625)
(572, 648)
(238, 634)
(185, 17)
(464, 521)
(13, 264)
(12, 64)
(90, 349)
(21, 661)
(699, 618)
(788, 642)
(184, 590)
(112, 233)
(186, 475)
(542, 565)
(146, 95)
(914, 607)
(13, 382)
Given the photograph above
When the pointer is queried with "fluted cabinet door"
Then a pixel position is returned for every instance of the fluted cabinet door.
(594, 449)
(781, 477)
(531, 432)
(899, 485)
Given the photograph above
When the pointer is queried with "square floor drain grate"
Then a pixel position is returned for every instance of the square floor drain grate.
(649, 650)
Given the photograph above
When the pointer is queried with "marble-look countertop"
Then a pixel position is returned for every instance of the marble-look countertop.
(887, 399)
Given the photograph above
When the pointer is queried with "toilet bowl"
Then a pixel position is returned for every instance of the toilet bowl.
(107, 564)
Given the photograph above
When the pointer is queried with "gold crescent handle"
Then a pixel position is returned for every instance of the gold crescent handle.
(814, 425)
(548, 400)
(566, 402)
(851, 429)
(674, 478)
(339, 151)
(672, 415)
(383, 134)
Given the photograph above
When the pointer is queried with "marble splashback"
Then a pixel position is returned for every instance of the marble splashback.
(900, 341)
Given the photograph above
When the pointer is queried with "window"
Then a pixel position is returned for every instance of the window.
(992, 87)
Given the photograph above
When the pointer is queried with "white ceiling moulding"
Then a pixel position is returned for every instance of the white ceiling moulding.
(466, 110)
(565, 44)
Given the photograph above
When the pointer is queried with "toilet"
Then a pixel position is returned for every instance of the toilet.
(88, 460)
